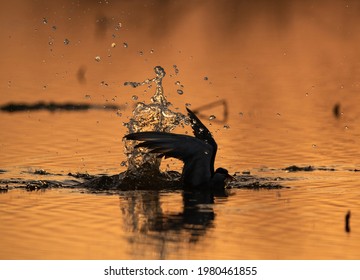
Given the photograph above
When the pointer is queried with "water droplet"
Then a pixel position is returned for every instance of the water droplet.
(87, 96)
(187, 104)
(54, 27)
(45, 21)
(97, 58)
(314, 145)
(177, 83)
(206, 152)
(125, 45)
(118, 26)
(206, 78)
(123, 163)
(212, 117)
(133, 84)
(44, 87)
(103, 83)
(152, 51)
(278, 114)
(134, 97)
(346, 127)
(179, 91)
(176, 69)
(241, 114)
(226, 126)
(113, 45)
(119, 113)
(51, 41)
(141, 53)
(66, 41)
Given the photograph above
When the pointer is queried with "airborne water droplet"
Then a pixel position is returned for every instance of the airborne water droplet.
(226, 126)
(113, 45)
(125, 45)
(179, 91)
(134, 97)
(176, 69)
(66, 41)
(45, 21)
(212, 117)
(97, 58)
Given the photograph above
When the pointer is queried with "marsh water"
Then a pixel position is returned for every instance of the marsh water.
(280, 95)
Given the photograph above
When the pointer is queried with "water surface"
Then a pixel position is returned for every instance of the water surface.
(289, 76)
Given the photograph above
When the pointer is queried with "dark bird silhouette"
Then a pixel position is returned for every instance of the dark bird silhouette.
(198, 153)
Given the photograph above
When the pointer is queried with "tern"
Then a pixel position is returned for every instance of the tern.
(198, 153)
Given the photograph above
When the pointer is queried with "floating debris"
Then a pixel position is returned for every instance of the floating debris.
(294, 168)
(336, 110)
(52, 106)
(41, 172)
(347, 221)
(81, 175)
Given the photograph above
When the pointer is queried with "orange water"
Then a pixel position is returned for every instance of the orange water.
(281, 68)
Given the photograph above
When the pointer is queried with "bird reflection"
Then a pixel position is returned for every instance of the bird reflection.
(150, 224)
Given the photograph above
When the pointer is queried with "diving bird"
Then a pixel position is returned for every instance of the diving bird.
(198, 153)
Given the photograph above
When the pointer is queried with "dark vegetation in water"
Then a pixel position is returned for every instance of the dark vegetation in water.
(161, 181)
(295, 168)
(164, 181)
(53, 106)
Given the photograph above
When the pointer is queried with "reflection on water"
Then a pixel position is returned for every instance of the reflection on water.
(144, 216)
(301, 222)
(288, 71)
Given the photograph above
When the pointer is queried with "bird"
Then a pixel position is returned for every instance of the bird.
(197, 153)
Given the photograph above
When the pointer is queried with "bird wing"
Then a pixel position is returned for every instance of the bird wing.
(195, 153)
(201, 132)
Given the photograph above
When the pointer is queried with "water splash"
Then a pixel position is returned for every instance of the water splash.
(155, 116)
